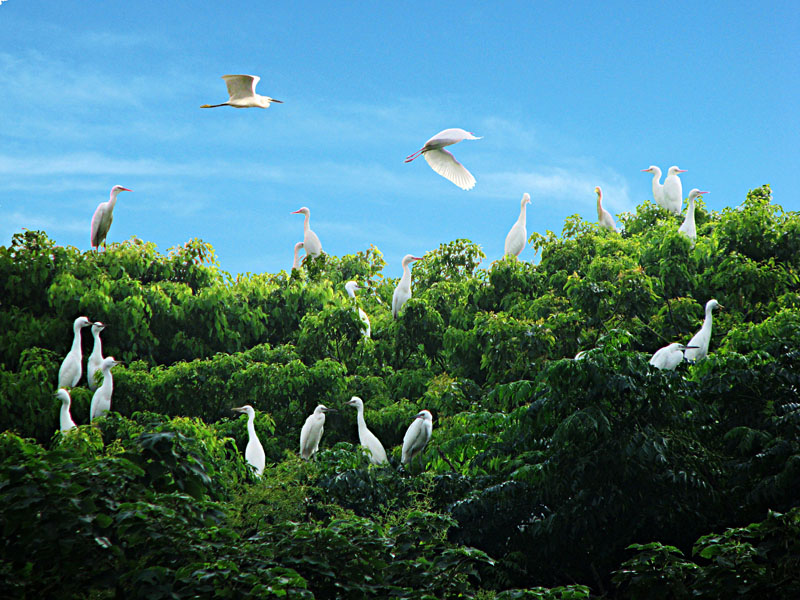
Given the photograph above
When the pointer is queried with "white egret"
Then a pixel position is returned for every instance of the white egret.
(242, 92)
(668, 357)
(442, 161)
(417, 436)
(101, 400)
(66, 418)
(296, 263)
(103, 216)
(311, 433)
(403, 290)
(689, 229)
(351, 287)
(673, 191)
(96, 357)
(365, 436)
(518, 236)
(311, 243)
(603, 216)
(697, 348)
(69, 374)
(658, 188)
(254, 452)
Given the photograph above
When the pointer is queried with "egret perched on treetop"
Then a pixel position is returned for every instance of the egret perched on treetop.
(296, 263)
(673, 191)
(101, 401)
(603, 216)
(668, 357)
(689, 229)
(444, 163)
(311, 433)
(69, 374)
(365, 436)
(311, 243)
(254, 452)
(103, 216)
(697, 348)
(417, 436)
(403, 290)
(658, 188)
(351, 287)
(96, 357)
(518, 236)
(242, 92)
(66, 419)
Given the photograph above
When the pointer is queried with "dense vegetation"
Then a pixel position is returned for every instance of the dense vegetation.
(546, 477)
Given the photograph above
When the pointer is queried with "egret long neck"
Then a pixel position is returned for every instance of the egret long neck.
(66, 418)
(405, 280)
(521, 218)
(251, 428)
(362, 424)
(306, 221)
(690, 220)
(98, 345)
(113, 198)
(76, 340)
(599, 205)
(108, 381)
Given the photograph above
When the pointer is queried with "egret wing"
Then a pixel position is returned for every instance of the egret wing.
(241, 86)
(446, 165)
(101, 223)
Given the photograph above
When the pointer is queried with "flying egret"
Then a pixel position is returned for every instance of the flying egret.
(351, 287)
(668, 357)
(96, 357)
(417, 436)
(444, 163)
(697, 348)
(688, 228)
(69, 374)
(101, 400)
(658, 188)
(311, 243)
(66, 419)
(403, 290)
(242, 92)
(518, 236)
(311, 433)
(603, 216)
(103, 216)
(673, 191)
(365, 436)
(254, 452)
(296, 263)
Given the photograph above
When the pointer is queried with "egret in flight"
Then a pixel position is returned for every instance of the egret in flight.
(96, 357)
(673, 191)
(689, 229)
(254, 452)
(101, 400)
(697, 348)
(603, 216)
(668, 357)
(444, 163)
(66, 419)
(417, 436)
(518, 236)
(311, 433)
(69, 374)
(103, 216)
(311, 243)
(296, 263)
(403, 290)
(365, 436)
(351, 287)
(242, 92)
(658, 188)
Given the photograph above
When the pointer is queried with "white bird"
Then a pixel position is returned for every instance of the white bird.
(103, 216)
(403, 290)
(311, 243)
(66, 419)
(689, 228)
(101, 400)
(417, 436)
(351, 287)
(697, 348)
(673, 191)
(296, 263)
(254, 452)
(311, 433)
(658, 188)
(96, 357)
(603, 216)
(518, 236)
(242, 92)
(69, 374)
(444, 163)
(365, 436)
(668, 357)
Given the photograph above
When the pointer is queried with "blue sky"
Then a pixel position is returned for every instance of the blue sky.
(566, 97)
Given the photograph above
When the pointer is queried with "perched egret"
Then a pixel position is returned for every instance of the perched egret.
(658, 188)
(311, 433)
(96, 357)
(688, 228)
(254, 452)
(365, 436)
(69, 374)
(103, 216)
(296, 263)
(673, 191)
(668, 357)
(603, 216)
(101, 401)
(417, 436)
(697, 348)
(351, 287)
(242, 92)
(518, 236)
(403, 290)
(444, 163)
(66, 419)
(311, 243)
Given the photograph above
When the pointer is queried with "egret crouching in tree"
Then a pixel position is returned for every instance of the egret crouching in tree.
(697, 348)
(311, 243)
(689, 229)
(365, 436)
(603, 216)
(668, 357)
(103, 216)
(254, 452)
(96, 357)
(101, 401)
(444, 163)
(296, 263)
(518, 236)
(403, 290)
(658, 188)
(66, 419)
(417, 436)
(351, 287)
(69, 374)
(673, 191)
(311, 433)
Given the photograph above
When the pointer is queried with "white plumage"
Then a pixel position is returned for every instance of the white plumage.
(417, 436)
(103, 216)
(603, 216)
(66, 418)
(688, 228)
(518, 236)
(311, 243)
(242, 93)
(673, 191)
(697, 348)
(403, 290)
(442, 161)
(69, 374)
(658, 187)
(101, 400)
(311, 433)
(365, 436)
(96, 357)
(296, 263)
(254, 451)
(668, 357)
(351, 287)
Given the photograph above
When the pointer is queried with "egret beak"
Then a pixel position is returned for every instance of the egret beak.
(278, 101)
(688, 347)
(645, 170)
(294, 212)
(416, 258)
(238, 409)
(125, 190)
(681, 170)
(329, 410)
